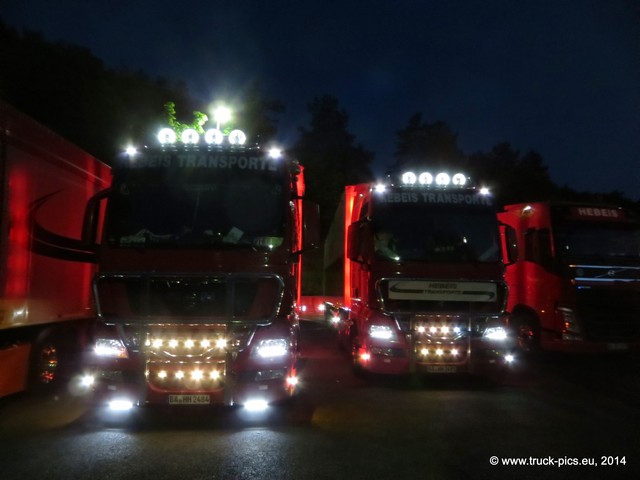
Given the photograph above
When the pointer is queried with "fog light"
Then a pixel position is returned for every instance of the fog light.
(87, 380)
(120, 405)
(256, 405)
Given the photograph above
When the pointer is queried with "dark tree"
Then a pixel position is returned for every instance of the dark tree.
(68, 89)
(423, 145)
(331, 160)
(511, 176)
(258, 115)
(330, 157)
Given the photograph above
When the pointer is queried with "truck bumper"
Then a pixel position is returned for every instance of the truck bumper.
(474, 356)
(119, 388)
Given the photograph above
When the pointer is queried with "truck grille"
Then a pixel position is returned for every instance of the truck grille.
(609, 315)
(438, 338)
(191, 357)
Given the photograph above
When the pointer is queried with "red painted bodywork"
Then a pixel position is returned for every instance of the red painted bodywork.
(244, 376)
(362, 306)
(602, 304)
(45, 271)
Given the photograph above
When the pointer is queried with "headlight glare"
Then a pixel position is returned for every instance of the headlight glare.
(272, 348)
(110, 347)
(382, 332)
(495, 333)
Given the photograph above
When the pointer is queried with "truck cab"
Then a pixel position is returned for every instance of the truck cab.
(199, 274)
(574, 284)
(423, 276)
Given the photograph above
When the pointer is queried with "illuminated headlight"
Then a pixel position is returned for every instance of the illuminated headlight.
(167, 136)
(190, 136)
(409, 178)
(443, 179)
(425, 178)
(459, 179)
(110, 347)
(275, 153)
(382, 332)
(87, 380)
(237, 137)
(495, 333)
(272, 348)
(214, 136)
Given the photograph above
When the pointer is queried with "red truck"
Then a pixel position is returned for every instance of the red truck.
(420, 264)
(45, 272)
(199, 274)
(574, 280)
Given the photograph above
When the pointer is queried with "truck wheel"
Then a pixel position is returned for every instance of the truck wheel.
(527, 332)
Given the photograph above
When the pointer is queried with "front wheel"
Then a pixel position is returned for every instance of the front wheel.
(526, 329)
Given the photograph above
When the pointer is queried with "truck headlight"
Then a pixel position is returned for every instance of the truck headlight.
(271, 348)
(495, 333)
(110, 347)
(382, 332)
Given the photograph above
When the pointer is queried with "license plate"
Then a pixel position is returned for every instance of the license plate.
(616, 347)
(189, 400)
(441, 369)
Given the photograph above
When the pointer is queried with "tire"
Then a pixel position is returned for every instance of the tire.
(526, 329)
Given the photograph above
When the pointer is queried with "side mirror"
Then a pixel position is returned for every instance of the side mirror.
(92, 217)
(360, 242)
(311, 225)
(509, 244)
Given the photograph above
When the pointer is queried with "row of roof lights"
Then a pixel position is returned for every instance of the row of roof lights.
(441, 179)
(213, 136)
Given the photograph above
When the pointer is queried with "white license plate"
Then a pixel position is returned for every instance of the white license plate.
(189, 400)
(441, 369)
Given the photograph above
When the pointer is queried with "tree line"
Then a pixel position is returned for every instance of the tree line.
(102, 109)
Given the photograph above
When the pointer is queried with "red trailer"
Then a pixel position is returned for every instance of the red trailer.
(45, 271)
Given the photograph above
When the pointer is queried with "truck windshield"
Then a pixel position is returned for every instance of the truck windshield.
(431, 231)
(198, 207)
(610, 241)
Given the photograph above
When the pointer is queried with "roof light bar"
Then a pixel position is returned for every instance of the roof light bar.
(441, 179)
(214, 136)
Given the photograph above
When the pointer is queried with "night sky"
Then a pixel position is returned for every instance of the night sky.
(561, 77)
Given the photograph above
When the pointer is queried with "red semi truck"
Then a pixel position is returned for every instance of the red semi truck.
(199, 274)
(574, 280)
(420, 264)
(45, 271)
